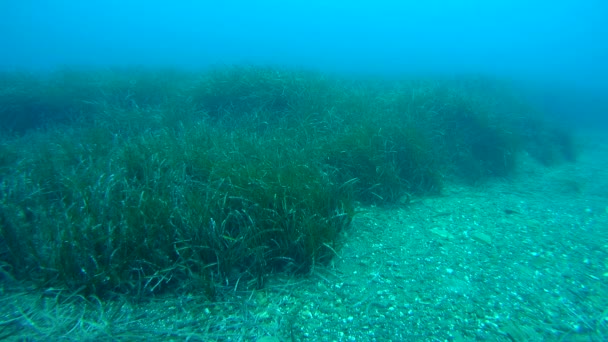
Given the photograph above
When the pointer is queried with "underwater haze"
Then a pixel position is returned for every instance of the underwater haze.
(559, 39)
(556, 48)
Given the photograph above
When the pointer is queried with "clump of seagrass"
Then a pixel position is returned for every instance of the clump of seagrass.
(174, 181)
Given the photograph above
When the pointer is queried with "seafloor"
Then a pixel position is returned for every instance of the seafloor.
(524, 259)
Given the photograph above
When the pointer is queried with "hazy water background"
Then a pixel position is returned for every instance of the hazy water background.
(557, 49)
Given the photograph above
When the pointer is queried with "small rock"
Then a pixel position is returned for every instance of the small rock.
(483, 238)
(268, 339)
(442, 233)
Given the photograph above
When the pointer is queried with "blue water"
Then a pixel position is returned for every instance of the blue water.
(555, 48)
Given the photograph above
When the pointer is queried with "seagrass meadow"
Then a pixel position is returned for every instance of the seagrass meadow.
(136, 182)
